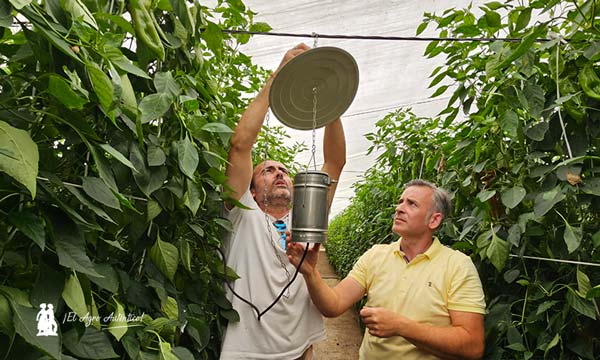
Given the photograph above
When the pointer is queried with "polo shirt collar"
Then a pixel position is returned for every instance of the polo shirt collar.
(429, 253)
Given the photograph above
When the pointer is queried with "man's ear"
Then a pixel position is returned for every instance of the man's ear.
(253, 193)
(435, 220)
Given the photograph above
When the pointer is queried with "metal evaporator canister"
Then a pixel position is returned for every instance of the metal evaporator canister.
(310, 209)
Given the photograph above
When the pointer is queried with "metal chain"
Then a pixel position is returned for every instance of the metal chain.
(313, 148)
(266, 205)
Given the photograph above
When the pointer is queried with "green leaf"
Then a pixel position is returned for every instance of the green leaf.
(526, 44)
(60, 89)
(214, 38)
(103, 88)
(169, 308)
(421, 28)
(260, 27)
(117, 155)
(523, 19)
(546, 201)
(116, 57)
(572, 237)
(154, 106)
(153, 209)
(440, 90)
(96, 209)
(534, 94)
(15, 295)
(182, 353)
(104, 169)
(97, 190)
(19, 4)
(118, 326)
(493, 19)
(23, 163)
(57, 41)
(497, 252)
(217, 128)
(25, 321)
(485, 195)
(108, 280)
(156, 156)
(78, 10)
(165, 84)
(165, 256)
(6, 317)
(5, 14)
(513, 196)
(199, 331)
(231, 315)
(187, 156)
(93, 344)
(545, 306)
(70, 248)
(555, 340)
(186, 254)
(31, 225)
(593, 292)
(48, 286)
(165, 351)
(192, 197)
(582, 306)
(537, 131)
(583, 283)
(509, 122)
(74, 297)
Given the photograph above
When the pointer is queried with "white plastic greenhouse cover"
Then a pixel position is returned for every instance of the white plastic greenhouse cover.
(393, 74)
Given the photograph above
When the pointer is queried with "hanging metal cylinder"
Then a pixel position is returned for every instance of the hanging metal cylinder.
(310, 209)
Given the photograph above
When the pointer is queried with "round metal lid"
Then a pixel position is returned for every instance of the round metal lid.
(331, 70)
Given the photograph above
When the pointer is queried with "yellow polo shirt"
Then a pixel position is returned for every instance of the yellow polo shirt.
(425, 289)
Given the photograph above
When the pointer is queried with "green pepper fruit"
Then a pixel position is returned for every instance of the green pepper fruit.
(590, 82)
(145, 30)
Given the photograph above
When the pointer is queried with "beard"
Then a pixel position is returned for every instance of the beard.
(280, 196)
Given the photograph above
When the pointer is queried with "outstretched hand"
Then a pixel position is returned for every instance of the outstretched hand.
(295, 251)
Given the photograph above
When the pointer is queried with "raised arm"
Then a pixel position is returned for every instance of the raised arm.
(334, 154)
(239, 166)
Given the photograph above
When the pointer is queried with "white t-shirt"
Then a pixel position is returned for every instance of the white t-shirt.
(294, 323)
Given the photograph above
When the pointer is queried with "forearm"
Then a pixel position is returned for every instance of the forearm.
(324, 297)
(250, 124)
(447, 342)
(334, 148)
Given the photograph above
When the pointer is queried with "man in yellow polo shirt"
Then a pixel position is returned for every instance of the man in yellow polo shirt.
(424, 300)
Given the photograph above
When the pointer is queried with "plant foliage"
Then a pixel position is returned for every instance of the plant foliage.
(113, 140)
(522, 169)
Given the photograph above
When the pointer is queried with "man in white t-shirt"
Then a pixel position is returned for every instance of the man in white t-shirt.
(290, 328)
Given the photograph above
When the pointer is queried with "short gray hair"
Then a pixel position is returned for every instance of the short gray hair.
(441, 198)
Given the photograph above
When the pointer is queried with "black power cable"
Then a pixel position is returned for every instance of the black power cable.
(259, 314)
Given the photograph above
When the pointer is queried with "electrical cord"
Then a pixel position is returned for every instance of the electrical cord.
(259, 314)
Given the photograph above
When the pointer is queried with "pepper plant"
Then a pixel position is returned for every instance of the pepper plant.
(521, 163)
(115, 118)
